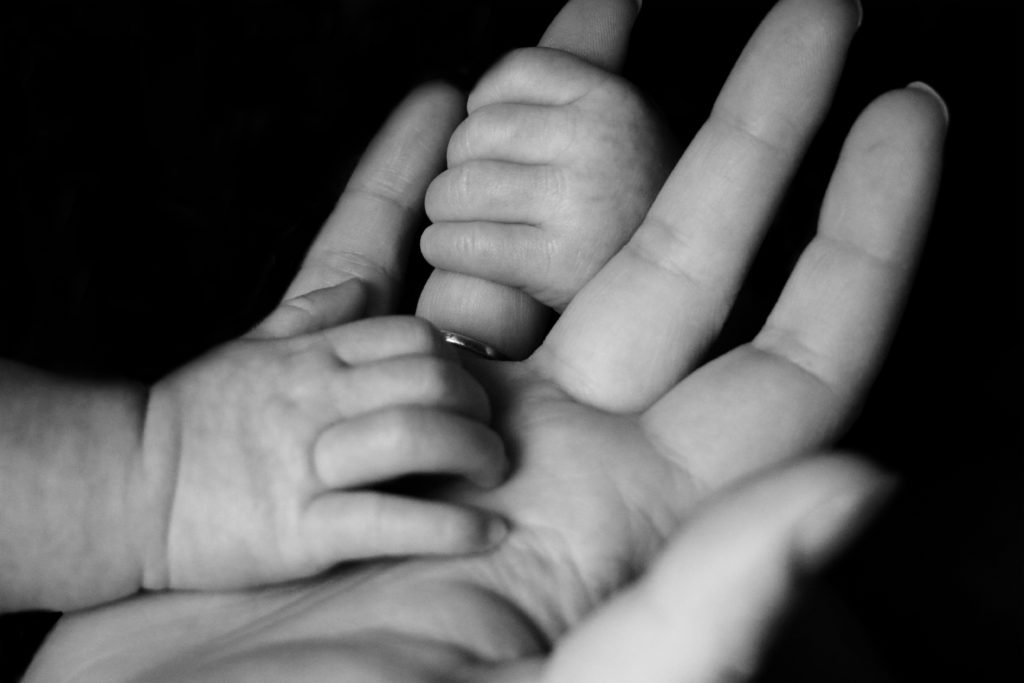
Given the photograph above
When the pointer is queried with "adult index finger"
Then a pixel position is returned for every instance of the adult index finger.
(594, 30)
(370, 231)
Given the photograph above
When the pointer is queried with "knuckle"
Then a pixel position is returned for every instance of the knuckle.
(514, 68)
(419, 334)
(516, 64)
(437, 199)
(398, 430)
(480, 134)
(552, 184)
(438, 378)
(449, 194)
(460, 145)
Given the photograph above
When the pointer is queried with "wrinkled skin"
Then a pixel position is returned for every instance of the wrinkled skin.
(616, 435)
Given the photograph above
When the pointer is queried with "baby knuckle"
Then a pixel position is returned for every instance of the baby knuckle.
(399, 430)
(451, 193)
(553, 184)
(517, 64)
(438, 378)
(461, 145)
(442, 194)
(419, 334)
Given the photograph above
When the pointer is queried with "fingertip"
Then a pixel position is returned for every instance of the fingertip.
(493, 532)
(544, 75)
(923, 87)
(440, 96)
(917, 110)
(466, 531)
(497, 531)
(497, 468)
(851, 494)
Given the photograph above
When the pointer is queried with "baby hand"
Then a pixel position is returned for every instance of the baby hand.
(271, 446)
(547, 178)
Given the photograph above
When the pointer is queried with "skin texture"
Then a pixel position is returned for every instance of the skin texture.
(620, 440)
(548, 176)
(264, 450)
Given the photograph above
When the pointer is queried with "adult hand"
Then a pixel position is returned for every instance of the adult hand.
(707, 607)
(617, 435)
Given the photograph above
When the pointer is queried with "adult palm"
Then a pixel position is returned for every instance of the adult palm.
(615, 433)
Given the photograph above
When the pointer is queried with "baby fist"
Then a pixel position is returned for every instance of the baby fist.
(547, 178)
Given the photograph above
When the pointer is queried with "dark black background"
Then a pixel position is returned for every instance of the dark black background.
(165, 165)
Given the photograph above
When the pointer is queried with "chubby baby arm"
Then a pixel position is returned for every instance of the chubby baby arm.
(548, 176)
(269, 448)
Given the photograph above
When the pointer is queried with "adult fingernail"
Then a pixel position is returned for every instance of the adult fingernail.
(860, 12)
(924, 87)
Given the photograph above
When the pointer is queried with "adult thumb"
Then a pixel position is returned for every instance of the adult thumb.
(705, 610)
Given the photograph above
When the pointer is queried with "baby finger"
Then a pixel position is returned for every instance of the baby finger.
(396, 442)
(497, 191)
(346, 526)
(426, 381)
(517, 133)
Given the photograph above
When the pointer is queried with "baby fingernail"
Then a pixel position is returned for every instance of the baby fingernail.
(497, 530)
(491, 478)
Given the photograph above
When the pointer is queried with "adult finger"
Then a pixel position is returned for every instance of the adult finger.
(594, 30)
(707, 607)
(359, 524)
(315, 311)
(797, 384)
(387, 444)
(504, 317)
(369, 233)
(643, 321)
